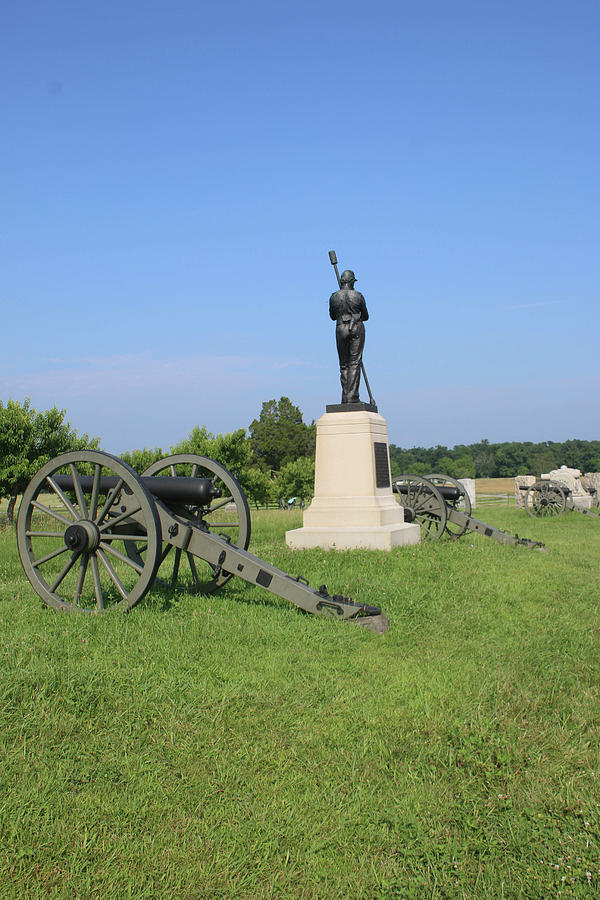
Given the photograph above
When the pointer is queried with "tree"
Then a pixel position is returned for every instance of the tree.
(257, 486)
(232, 450)
(444, 466)
(28, 439)
(279, 435)
(403, 462)
(140, 460)
(543, 460)
(296, 479)
(463, 467)
(483, 457)
(512, 459)
(16, 443)
(52, 436)
(579, 454)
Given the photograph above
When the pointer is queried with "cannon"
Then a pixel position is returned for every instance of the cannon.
(551, 498)
(93, 535)
(441, 505)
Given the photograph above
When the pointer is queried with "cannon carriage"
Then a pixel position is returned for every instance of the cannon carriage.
(552, 498)
(441, 505)
(93, 535)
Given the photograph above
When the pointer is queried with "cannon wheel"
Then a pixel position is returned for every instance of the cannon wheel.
(228, 516)
(454, 531)
(427, 505)
(71, 545)
(546, 498)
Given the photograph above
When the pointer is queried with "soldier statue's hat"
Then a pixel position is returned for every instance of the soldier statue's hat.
(347, 276)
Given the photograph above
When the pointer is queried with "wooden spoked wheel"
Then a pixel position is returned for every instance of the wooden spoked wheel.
(72, 539)
(462, 502)
(424, 502)
(546, 498)
(227, 515)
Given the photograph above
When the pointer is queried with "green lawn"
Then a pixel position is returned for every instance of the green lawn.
(233, 747)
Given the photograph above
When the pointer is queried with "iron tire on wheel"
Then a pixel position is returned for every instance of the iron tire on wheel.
(237, 529)
(90, 530)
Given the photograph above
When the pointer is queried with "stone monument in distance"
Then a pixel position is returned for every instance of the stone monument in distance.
(353, 504)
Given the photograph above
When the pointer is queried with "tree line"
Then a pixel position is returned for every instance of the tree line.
(274, 459)
(502, 460)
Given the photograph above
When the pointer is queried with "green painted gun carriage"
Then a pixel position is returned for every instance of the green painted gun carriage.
(441, 506)
(552, 498)
(92, 535)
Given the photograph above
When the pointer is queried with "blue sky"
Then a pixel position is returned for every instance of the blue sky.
(174, 174)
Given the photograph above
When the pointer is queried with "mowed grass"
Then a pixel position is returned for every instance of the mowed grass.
(495, 485)
(233, 747)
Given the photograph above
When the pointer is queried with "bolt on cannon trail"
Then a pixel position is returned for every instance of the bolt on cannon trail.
(92, 534)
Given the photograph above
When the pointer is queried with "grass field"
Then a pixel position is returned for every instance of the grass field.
(233, 747)
(495, 485)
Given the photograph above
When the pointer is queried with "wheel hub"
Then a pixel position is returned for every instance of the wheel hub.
(82, 537)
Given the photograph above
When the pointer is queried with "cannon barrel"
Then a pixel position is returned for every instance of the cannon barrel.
(180, 490)
(448, 491)
(540, 485)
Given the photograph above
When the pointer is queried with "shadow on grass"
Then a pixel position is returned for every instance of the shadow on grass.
(163, 597)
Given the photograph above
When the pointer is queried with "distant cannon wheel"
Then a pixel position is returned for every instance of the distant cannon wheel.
(546, 498)
(228, 515)
(423, 503)
(462, 502)
(72, 544)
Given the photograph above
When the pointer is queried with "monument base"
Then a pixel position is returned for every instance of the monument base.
(353, 505)
(582, 502)
(378, 537)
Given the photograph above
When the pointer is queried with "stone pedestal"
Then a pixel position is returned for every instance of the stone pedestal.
(591, 483)
(469, 486)
(582, 502)
(522, 481)
(353, 505)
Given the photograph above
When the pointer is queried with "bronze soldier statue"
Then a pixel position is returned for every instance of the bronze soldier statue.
(348, 308)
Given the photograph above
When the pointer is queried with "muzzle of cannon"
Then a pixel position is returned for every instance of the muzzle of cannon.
(441, 505)
(93, 535)
(551, 498)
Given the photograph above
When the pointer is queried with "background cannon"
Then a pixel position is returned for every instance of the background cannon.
(92, 534)
(551, 498)
(441, 505)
